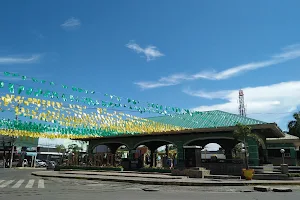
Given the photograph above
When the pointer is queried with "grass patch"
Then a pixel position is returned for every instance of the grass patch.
(294, 174)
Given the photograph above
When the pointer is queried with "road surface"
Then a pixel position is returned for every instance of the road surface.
(20, 184)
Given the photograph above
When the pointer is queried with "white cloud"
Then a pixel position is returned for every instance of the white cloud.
(270, 103)
(71, 23)
(288, 53)
(151, 52)
(19, 59)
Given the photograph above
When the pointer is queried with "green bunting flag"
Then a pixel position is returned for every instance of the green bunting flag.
(11, 88)
(29, 91)
(20, 89)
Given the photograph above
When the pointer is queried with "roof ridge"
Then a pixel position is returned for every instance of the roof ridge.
(241, 116)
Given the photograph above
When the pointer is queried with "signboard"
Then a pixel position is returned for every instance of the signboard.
(31, 153)
(268, 168)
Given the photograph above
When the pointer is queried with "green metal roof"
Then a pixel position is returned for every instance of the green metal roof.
(207, 119)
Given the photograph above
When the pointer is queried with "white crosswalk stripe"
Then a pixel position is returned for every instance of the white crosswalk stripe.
(22, 183)
(30, 183)
(41, 184)
(18, 184)
(6, 183)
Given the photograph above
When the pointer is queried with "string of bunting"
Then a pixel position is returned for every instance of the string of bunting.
(91, 119)
(115, 101)
(108, 122)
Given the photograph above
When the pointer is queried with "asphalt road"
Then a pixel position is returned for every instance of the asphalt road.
(20, 184)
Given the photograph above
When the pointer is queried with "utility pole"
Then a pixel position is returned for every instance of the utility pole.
(3, 142)
(12, 151)
(13, 145)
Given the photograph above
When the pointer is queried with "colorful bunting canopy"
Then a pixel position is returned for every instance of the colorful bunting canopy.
(76, 113)
(72, 121)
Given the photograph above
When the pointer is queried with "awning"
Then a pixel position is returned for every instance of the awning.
(31, 153)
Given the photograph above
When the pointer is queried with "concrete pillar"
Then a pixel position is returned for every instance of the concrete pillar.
(253, 152)
(266, 157)
(293, 156)
(167, 151)
(113, 151)
(152, 156)
(180, 155)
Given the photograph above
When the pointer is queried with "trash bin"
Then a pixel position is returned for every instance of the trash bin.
(284, 168)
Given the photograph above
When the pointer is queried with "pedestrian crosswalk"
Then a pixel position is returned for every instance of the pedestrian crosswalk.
(22, 183)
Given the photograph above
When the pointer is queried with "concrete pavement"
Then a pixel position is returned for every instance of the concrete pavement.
(157, 179)
(77, 189)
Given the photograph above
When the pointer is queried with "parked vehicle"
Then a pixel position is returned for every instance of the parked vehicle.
(25, 163)
(40, 163)
(51, 165)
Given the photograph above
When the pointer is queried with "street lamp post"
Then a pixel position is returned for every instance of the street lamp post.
(282, 154)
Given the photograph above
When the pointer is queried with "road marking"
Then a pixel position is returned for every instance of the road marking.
(30, 184)
(6, 183)
(41, 183)
(18, 184)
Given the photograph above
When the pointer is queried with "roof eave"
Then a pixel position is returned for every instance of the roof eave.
(277, 133)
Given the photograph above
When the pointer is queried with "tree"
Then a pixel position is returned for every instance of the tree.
(74, 148)
(294, 125)
(61, 149)
(237, 150)
(243, 133)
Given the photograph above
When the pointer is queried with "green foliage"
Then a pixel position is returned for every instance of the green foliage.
(74, 148)
(60, 148)
(243, 132)
(294, 125)
(294, 174)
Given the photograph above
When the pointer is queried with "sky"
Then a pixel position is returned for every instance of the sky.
(190, 54)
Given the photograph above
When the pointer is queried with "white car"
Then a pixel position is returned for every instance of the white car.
(40, 163)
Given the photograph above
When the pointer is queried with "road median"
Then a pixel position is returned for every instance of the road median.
(151, 180)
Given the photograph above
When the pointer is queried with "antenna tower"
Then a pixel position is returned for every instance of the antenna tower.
(242, 109)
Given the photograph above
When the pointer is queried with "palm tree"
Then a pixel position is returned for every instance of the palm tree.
(294, 125)
(74, 148)
(243, 133)
(61, 149)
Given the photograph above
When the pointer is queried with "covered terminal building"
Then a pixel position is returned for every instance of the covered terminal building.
(201, 128)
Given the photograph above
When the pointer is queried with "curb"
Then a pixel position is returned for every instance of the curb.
(129, 176)
(29, 168)
(147, 182)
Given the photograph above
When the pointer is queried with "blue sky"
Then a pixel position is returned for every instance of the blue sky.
(191, 54)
